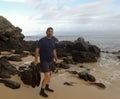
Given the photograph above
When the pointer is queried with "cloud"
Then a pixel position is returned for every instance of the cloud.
(14, 0)
(94, 15)
(69, 16)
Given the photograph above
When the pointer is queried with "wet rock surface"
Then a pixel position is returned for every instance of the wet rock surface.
(11, 84)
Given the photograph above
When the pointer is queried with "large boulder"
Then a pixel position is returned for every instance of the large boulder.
(83, 51)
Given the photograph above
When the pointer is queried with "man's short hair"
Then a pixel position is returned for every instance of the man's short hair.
(49, 28)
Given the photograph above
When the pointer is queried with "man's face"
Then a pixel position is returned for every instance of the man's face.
(50, 33)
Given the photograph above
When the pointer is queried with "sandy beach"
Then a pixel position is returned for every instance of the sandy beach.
(79, 90)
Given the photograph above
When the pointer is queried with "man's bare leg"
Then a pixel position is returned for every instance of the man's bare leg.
(49, 77)
(44, 82)
(47, 85)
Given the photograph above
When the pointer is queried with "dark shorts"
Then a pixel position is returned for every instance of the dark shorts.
(47, 66)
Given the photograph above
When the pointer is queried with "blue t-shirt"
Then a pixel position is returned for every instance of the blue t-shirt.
(46, 49)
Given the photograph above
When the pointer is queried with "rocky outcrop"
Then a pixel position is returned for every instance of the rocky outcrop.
(10, 36)
(80, 50)
(85, 52)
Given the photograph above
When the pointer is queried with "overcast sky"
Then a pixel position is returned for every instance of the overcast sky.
(65, 16)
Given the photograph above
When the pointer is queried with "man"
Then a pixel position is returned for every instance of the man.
(47, 51)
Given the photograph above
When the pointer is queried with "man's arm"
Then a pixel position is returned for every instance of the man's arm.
(55, 55)
(36, 56)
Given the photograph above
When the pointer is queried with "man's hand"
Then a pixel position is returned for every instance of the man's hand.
(56, 61)
(35, 63)
(55, 55)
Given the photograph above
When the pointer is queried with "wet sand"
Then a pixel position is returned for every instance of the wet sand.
(79, 90)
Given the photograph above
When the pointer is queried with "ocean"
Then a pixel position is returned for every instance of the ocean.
(107, 42)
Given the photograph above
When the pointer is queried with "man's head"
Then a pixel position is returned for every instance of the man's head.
(49, 32)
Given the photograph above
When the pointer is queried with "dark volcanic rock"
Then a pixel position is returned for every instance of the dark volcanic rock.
(62, 53)
(83, 56)
(94, 49)
(6, 69)
(73, 72)
(10, 83)
(4, 74)
(26, 77)
(21, 68)
(62, 65)
(32, 45)
(68, 61)
(118, 57)
(100, 85)
(80, 44)
(81, 66)
(30, 75)
(86, 77)
(10, 36)
(84, 52)
(64, 48)
(15, 58)
(80, 50)
(68, 84)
